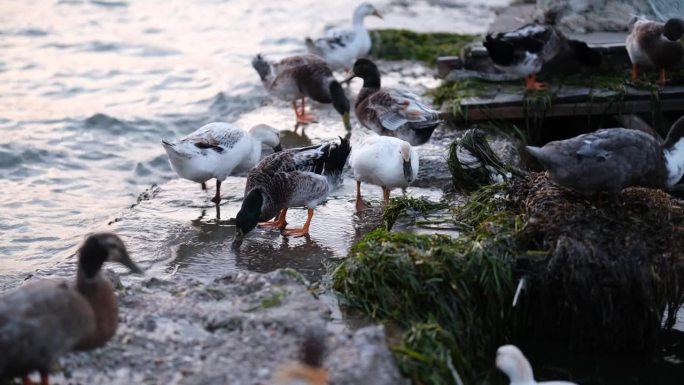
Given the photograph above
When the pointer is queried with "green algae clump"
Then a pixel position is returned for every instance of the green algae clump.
(401, 44)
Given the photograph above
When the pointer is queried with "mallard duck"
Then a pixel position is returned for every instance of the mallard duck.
(341, 46)
(43, 320)
(654, 44)
(511, 361)
(301, 76)
(615, 158)
(217, 149)
(526, 50)
(390, 111)
(309, 370)
(299, 177)
(383, 161)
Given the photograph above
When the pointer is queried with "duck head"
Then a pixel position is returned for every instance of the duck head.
(673, 150)
(340, 102)
(405, 151)
(511, 361)
(363, 10)
(100, 248)
(366, 70)
(673, 29)
(267, 135)
(248, 216)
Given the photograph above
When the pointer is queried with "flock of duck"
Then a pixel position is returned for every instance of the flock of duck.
(45, 319)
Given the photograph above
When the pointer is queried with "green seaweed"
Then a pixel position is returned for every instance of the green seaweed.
(403, 205)
(400, 44)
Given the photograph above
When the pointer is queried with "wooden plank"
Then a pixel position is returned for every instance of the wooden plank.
(470, 113)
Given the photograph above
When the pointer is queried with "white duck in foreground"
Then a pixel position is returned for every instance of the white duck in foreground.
(218, 149)
(383, 161)
(614, 158)
(297, 177)
(341, 46)
(510, 360)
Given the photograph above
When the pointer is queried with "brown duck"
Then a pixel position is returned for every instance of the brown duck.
(654, 44)
(612, 159)
(43, 320)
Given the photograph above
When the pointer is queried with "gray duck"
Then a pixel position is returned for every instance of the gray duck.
(526, 50)
(612, 159)
(654, 44)
(297, 177)
(301, 76)
(43, 320)
(391, 111)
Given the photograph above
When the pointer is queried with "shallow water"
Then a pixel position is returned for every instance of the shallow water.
(88, 88)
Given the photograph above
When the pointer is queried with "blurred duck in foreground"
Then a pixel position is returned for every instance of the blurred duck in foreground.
(526, 50)
(511, 361)
(383, 161)
(301, 76)
(341, 46)
(654, 44)
(218, 149)
(612, 159)
(390, 111)
(309, 370)
(298, 177)
(43, 320)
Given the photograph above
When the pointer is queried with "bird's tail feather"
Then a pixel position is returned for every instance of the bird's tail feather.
(334, 163)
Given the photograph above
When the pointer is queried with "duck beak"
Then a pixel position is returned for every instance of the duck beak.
(345, 120)
(351, 76)
(376, 13)
(278, 148)
(408, 171)
(126, 260)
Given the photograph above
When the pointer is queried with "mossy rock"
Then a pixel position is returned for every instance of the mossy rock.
(400, 44)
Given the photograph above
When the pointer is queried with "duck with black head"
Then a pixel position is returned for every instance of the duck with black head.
(43, 320)
(655, 45)
(612, 159)
(391, 111)
(298, 77)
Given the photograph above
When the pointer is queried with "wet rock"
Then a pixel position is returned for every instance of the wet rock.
(236, 329)
(583, 16)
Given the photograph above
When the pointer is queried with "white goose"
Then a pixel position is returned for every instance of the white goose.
(510, 360)
(341, 46)
(383, 161)
(217, 149)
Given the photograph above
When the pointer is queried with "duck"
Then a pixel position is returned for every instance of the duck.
(298, 77)
(511, 361)
(341, 46)
(654, 44)
(218, 149)
(309, 369)
(609, 160)
(389, 111)
(299, 177)
(43, 320)
(383, 161)
(526, 50)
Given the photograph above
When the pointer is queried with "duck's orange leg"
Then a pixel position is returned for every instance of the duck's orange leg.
(662, 79)
(304, 230)
(385, 195)
(279, 223)
(44, 379)
(217, 197)
(360, 206)
(302, 116)
(25, 380)
(531, 83)
(635, 72)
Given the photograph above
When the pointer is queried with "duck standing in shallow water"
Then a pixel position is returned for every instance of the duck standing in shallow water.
(299, 77)
(341, 46)
(526, 50)
(615, 158)
(383, 161)
(217, 149)
(654, 44)
(389, 111)
(298, 177)
(43, 320)
(510, 360)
